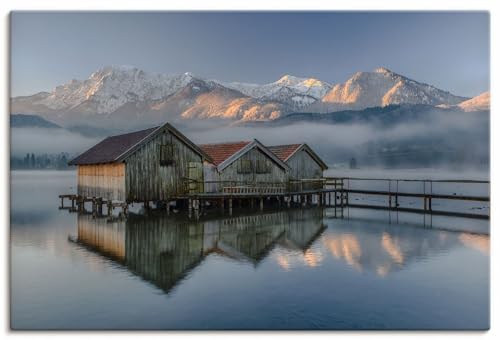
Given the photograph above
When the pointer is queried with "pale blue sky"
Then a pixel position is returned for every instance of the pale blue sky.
(445, 49)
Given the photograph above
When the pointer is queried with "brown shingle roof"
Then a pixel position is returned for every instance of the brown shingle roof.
(284, 151)
(221, 151)
(111, 148)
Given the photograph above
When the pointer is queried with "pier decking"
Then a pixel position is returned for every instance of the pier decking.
(333, 192)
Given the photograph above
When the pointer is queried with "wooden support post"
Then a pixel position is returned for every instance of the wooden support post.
(288, 201)
(99, 207)
(230, 206)
(430, 203)
(190, 206)
(110, 207)
(261, 203)
(62, 202)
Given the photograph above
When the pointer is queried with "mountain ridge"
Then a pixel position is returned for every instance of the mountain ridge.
(128, 96)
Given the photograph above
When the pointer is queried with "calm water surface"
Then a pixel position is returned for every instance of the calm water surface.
(288, 269)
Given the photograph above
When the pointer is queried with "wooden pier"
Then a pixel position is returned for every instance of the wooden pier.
(426, 196)
(334, 192)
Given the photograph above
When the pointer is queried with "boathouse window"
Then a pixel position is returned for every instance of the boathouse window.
(244, 166)
(262, 167)
(167, 154)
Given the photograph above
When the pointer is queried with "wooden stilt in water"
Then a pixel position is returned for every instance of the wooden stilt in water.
(261, 204)
(99, 206)
(230, 206)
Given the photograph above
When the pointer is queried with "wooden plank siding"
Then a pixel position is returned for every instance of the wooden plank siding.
(102, 180)
(303, 166)
(276, 174)
(146, 179)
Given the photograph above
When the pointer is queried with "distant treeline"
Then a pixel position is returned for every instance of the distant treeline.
(43, 161)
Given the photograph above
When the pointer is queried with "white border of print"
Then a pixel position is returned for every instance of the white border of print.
(423, 5)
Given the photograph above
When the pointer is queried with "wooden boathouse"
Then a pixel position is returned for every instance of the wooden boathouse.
(162, 165)
(303, 162)
(141, 166)
(246, 164)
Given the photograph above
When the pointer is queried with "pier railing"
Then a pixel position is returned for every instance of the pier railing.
(424, 190)
(255, 187)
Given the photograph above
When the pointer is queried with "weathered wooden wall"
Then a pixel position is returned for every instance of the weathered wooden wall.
(276, 175)
(102, 180)
(302, 165)
(146, 179)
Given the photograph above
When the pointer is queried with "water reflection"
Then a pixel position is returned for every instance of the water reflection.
(163, 249)
(479, 242)
(382, 249)
(285, 269)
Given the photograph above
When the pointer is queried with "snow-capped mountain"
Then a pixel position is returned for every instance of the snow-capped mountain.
(292, 91)
(381, 87)
(129, 96)
(126, 96)
(111, 87)
(478, 103)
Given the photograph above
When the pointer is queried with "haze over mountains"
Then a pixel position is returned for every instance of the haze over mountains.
(127, 97)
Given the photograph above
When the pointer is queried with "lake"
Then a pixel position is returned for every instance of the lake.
(280, 269)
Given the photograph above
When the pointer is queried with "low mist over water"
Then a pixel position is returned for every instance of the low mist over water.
(450, 139)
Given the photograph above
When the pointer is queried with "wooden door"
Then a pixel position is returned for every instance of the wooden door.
(195, 175)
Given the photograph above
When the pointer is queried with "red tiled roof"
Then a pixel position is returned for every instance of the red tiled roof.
(111, 148)
(221, 151)
(284, 151)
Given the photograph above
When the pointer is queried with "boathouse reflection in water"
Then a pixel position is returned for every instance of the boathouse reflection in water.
(163, 249)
